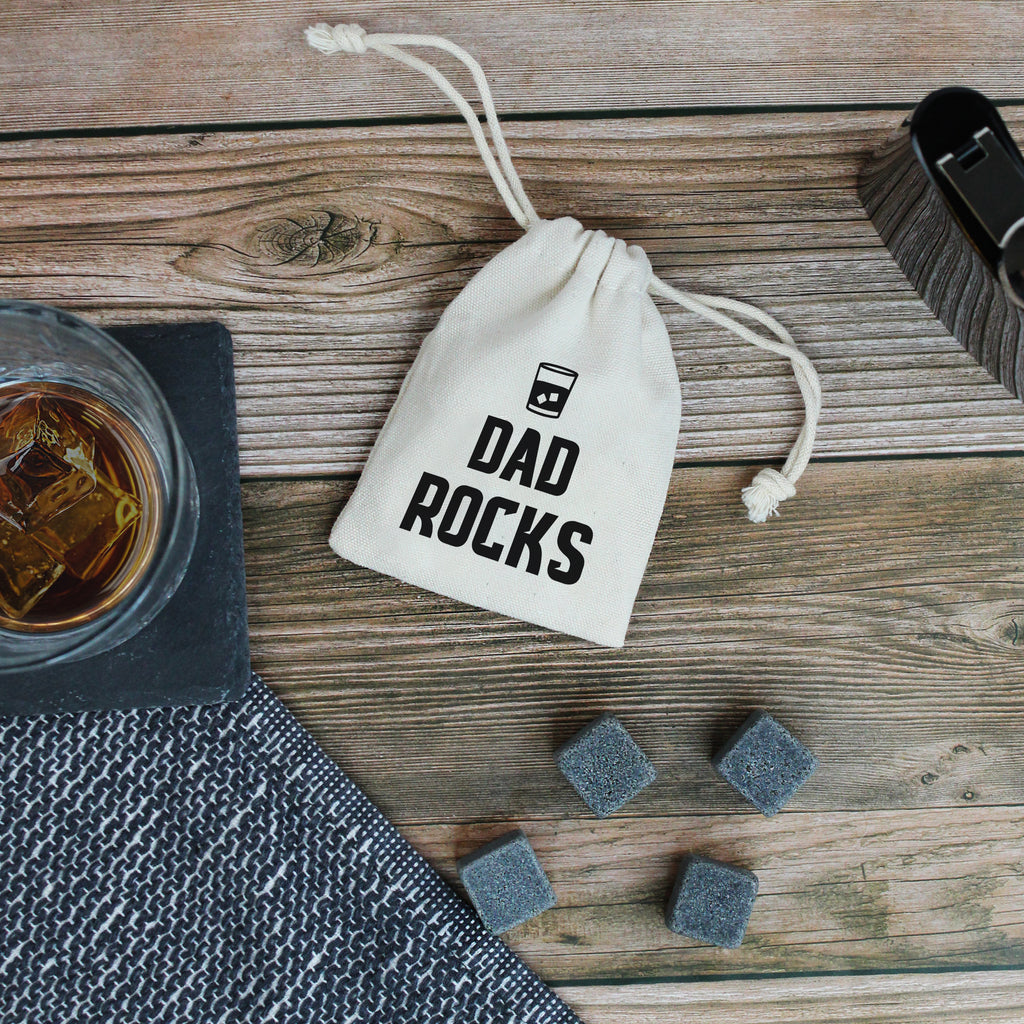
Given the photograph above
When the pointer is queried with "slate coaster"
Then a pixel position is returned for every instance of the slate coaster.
(196, 651)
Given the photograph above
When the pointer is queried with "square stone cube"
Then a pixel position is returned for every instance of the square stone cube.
(711, 901)
(505, 882)
(765, 763)
(605, 765)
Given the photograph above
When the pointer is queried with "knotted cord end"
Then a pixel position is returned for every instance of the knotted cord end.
(339, 39)
(765, 492)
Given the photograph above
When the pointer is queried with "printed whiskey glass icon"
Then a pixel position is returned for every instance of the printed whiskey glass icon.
(98, 502)
(550, 391)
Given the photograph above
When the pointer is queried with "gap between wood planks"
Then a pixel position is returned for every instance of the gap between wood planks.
(412, 121)
(416, 120)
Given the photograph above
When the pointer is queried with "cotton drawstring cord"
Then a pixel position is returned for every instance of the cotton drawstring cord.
(353, 39)
(769, 486)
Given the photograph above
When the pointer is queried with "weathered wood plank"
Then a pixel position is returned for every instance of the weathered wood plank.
(881, 616)
(861, 891)
(215, 61)
(331, 253)
(963, 997)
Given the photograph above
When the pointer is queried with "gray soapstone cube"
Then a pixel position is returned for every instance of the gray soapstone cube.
(605, 765)
(765, 762)
(711, 901)
(505, 882)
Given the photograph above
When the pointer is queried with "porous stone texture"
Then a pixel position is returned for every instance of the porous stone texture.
(711, 901)
(765, 763)
(605, 765)
(505, 882)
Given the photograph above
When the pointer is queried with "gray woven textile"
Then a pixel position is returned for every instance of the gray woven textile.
(211, 866)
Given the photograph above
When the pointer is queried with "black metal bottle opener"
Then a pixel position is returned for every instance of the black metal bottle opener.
(946, 194)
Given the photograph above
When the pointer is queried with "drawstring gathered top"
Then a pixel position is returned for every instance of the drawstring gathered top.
(770, 486)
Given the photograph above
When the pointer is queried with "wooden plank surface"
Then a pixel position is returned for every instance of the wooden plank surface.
(331, 253)
(104, 63)
(839, 891)
(993, 997)
(881, 616)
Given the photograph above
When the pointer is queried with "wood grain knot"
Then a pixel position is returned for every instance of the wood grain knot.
(285, 244)
(319, 237)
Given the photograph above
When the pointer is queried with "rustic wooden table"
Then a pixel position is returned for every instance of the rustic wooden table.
(197, 161)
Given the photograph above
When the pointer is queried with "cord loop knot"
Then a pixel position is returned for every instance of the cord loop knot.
(337, 39)
(764, 493)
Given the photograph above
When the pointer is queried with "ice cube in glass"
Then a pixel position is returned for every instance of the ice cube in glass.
(80, 535)
(46, 466)
(26, 571)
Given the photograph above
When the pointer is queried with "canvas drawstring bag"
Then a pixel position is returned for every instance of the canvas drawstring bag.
(524, 465)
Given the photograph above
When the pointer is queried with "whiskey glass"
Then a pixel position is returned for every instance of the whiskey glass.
(98, 500)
